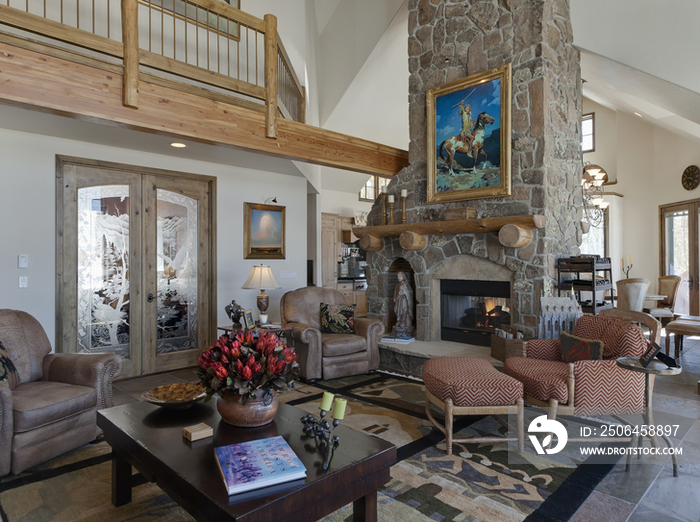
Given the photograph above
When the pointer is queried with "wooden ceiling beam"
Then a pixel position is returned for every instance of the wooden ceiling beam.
(41, 82)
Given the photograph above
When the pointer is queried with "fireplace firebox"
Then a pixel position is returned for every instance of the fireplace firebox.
(470, 311)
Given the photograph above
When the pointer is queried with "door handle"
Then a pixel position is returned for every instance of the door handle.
(149, 297)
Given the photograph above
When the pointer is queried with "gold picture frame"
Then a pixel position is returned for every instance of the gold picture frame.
(468, 120)
(264, 231)
(248, 320)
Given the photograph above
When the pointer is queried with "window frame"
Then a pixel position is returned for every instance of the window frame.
(585, 117)
(374, 178)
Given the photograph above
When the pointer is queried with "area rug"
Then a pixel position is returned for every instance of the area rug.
(480, 482)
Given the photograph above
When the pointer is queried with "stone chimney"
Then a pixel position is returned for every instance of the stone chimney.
(449, 40)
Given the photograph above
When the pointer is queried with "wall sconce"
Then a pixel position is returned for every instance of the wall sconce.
(592, 181)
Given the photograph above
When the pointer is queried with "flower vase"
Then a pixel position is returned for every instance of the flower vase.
(255, 412)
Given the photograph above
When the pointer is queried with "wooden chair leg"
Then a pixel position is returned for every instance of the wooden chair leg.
(521, 425)
(448, 425)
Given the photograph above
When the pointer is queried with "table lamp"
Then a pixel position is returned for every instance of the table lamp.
(261, 277)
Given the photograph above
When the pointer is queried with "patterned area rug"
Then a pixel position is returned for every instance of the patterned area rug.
(480, 482)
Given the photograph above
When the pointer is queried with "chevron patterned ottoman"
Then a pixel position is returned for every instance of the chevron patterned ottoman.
(471, 386)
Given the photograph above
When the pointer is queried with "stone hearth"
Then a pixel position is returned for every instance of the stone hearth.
(449, 40)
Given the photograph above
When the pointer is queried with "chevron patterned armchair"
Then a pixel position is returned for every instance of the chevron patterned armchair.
(587, 387)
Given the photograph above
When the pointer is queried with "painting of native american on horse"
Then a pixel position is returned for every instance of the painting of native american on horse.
(470, 153)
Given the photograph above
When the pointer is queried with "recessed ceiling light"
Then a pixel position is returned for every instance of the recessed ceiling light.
(178, 145)
(637, 114)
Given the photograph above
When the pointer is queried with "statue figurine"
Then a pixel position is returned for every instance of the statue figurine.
(235, 312)
(403, 306)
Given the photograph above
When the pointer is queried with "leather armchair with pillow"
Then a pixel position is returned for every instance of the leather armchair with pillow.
(48, 402)
(329, 355)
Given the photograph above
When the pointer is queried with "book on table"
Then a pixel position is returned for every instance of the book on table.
(396, 339)
(257, 464)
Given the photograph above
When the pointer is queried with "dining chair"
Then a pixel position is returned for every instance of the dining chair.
(631, 292)
(668, 286)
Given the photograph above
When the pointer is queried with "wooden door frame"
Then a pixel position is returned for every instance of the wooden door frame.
(693, 206)
(63, 343)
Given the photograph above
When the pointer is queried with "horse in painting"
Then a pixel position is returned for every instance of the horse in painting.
(471, 148)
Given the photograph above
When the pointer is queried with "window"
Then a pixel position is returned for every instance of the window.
(371, 189)
(595, 241)
(588, 132)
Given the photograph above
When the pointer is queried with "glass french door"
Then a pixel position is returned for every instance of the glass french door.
(134, 249)
(680, 242)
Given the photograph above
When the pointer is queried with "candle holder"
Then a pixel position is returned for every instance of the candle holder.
(391, 212)
(321, 431)
(627, 271)
(383, 208)
(403, 209)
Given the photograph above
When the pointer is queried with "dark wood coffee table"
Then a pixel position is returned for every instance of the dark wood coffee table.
(149, 438)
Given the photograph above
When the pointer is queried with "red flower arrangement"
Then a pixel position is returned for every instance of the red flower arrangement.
(247, 363)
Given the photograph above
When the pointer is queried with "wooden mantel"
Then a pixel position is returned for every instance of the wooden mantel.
(514, 231)
(93, 92)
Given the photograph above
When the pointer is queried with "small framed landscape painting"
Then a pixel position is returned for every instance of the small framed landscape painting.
(248, 320)
(469, 137)
(264, 231)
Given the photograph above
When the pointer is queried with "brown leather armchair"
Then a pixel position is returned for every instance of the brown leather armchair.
(53, 408)
(326, 355)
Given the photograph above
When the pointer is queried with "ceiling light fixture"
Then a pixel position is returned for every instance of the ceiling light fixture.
(178, 145)
(592, 180)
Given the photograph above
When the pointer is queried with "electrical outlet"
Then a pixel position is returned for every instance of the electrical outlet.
(23, 282)
(22, 261)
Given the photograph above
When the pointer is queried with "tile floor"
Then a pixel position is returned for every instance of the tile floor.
(648, 493)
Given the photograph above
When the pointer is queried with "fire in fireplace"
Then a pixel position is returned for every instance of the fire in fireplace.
(470, 311)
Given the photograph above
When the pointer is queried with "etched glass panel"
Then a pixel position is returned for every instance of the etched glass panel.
(103, 269)
(177, 272)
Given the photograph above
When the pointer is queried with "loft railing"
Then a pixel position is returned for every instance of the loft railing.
(207, 41)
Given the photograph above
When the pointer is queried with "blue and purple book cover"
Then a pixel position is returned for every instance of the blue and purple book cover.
(258, 463)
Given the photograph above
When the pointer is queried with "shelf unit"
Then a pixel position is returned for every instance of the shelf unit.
(586, 265)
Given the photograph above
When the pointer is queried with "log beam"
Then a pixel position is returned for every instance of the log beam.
(458, 226)
(36, 81)
(271, 76)
(371, 243)
(412, 241)
(514, 236)
(130, 37)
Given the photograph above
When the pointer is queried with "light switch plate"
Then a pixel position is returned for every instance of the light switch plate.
(23, 282)
(22, 261)
(281, 274)
(290, 274)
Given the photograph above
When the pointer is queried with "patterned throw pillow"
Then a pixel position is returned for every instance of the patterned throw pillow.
(576, 349)
(337, 319)
(8, 373)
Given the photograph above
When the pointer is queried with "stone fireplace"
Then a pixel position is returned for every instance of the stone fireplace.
(450, 40)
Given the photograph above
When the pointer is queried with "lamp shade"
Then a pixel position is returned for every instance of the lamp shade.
(261, 277)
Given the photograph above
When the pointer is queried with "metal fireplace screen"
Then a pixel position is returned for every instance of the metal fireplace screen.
(471, 310)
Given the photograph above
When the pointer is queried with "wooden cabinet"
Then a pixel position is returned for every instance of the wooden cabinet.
(361, 303)
(330, 249)
(346, 224)
(348, 291)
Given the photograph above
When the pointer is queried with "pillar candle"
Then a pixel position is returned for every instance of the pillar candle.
(339, 409)
(623, 263)
(327, 401)
(391, 198)
(404, 193)
(630, 259)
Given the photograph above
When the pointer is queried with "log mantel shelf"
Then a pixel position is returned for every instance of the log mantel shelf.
(514, 231)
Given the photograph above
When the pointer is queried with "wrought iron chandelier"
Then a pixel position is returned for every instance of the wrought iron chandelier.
(592, 180)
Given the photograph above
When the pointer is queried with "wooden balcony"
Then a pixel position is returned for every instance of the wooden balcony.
(196, 69)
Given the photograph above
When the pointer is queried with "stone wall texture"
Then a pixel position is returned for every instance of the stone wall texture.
(449, 40)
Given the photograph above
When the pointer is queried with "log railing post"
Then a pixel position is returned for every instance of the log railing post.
(130, 39)
(271, 76)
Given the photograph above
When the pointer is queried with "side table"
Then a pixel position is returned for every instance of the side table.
(654, 368)
(287, 332)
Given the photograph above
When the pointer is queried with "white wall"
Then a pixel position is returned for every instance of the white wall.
(649, 161)
(27, 211)
(342, 203)
(605, 129)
